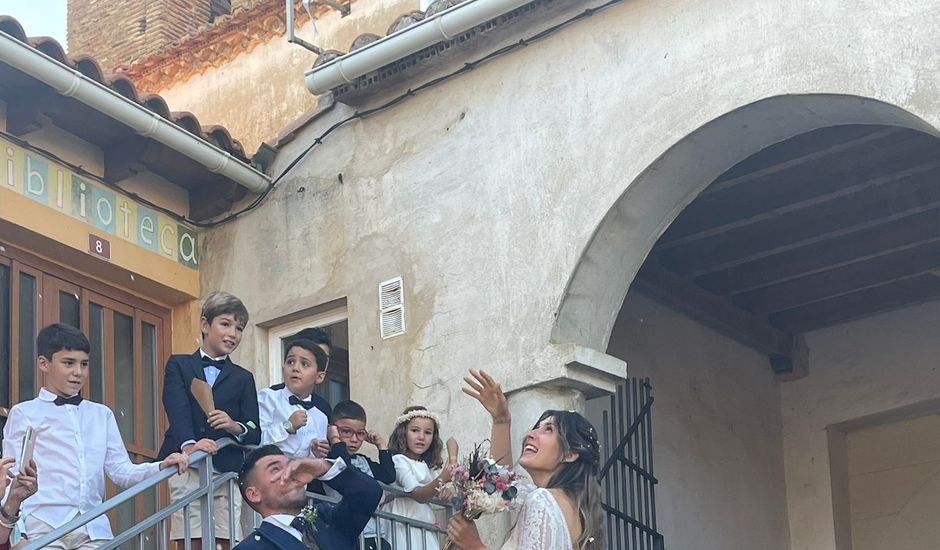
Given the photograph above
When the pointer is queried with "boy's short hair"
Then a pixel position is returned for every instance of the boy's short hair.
(58, 337)
(322, 358)
(317, 334)
(244, 474)
(349, 409)
(222, 303)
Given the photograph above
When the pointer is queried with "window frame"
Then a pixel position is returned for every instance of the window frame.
(278, 332)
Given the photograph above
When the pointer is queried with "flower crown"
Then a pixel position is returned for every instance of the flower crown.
(417, 413)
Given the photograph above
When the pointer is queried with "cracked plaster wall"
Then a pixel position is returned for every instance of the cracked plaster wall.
(484, 192)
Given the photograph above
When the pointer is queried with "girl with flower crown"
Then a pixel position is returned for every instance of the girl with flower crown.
(561, 508)
(416, 447)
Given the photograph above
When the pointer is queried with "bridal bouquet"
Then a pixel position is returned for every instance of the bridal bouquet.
(480, 486)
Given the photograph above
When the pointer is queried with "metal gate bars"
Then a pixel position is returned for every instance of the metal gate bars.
(627, 475)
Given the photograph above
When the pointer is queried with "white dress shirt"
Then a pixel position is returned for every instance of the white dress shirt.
(274, 408)
(76, 445)
(283, 521)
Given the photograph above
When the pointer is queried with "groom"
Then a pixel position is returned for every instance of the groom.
(274, 485)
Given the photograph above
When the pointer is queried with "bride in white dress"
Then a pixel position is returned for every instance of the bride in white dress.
(561, 508)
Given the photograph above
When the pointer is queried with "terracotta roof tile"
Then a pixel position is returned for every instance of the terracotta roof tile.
(123, 85)
(213, 46)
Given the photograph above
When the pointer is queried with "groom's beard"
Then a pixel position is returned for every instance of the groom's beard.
(297, 503)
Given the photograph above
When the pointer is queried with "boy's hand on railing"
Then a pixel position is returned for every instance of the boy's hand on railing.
(179, 460)
(205, 445)
(220, 420)
(302, 471)
(485, 390)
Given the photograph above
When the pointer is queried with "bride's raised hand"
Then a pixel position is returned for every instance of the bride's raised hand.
(484, 389)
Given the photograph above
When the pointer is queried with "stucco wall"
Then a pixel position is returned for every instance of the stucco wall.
(717, 444)
(894, 484)
(260, 91)
(857, 369)
(484, 192)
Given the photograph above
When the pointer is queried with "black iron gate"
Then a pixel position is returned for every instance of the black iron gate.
(627, 474)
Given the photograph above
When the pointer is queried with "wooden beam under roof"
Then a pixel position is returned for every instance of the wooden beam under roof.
(790, 190)
(868, 242)
(888, 268)
(858, 305)
(785, 351)
(912, 191)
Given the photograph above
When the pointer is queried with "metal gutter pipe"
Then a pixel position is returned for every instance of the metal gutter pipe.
(441, 27)
(71, 83)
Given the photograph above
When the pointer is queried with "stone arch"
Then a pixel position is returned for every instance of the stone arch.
(622, 240)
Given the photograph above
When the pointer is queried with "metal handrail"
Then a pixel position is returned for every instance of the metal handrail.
(164, 513)
(81, 520)
(207, 487)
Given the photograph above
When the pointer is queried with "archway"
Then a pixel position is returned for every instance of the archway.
(652, 202)
(752, 461)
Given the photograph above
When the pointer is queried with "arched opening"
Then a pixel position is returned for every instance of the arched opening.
(783, 277)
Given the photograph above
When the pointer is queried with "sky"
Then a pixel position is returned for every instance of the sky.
(38, 17)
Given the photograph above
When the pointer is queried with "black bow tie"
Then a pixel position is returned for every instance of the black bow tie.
(294, 400)
(74, 400)
(207, 361)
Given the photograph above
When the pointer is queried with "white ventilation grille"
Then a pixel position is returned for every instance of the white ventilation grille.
(392, 307)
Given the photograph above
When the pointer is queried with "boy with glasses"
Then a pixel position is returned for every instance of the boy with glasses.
(349, 418)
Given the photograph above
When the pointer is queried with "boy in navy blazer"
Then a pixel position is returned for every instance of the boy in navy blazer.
(235, 416)
(273, 486)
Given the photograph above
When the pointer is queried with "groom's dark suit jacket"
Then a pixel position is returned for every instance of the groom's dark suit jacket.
(338, 525)
(233, 392)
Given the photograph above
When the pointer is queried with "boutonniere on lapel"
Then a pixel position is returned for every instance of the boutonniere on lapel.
(307, 520)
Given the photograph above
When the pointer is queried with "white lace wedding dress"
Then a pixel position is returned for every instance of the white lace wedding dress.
(537, 522)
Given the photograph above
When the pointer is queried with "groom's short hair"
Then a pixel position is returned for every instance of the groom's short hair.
(248, 467)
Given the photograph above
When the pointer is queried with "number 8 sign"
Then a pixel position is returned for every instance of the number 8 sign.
(99, 247)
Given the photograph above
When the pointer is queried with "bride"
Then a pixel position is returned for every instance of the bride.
(562, 510)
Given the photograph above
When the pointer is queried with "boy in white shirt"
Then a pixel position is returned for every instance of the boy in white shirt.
(77, 444)
(289, 417)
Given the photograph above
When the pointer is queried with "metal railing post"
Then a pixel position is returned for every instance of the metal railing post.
(386, 523)
(206, 517)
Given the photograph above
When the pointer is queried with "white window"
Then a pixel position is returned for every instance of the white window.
(335, 387)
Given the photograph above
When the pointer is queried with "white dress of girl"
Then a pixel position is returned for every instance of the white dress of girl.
(537, 522)
(409, 475)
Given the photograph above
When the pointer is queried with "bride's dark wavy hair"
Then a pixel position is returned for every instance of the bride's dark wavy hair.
(578, 479)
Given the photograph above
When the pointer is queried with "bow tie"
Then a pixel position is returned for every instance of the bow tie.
(294, 400)
(74, 400)
(207, 361)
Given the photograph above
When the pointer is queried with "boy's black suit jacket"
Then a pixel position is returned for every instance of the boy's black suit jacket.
(233, 392)
(338, 526)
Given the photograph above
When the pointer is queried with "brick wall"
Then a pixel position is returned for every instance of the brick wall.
(116, 32)
(245, 3)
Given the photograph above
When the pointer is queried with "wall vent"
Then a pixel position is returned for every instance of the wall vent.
(392, 307)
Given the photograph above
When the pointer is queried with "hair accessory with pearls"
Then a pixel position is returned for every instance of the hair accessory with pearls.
(417, 413)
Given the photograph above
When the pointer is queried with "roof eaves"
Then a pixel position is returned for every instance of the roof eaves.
(408, 67)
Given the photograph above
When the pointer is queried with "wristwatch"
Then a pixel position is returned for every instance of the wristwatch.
(288, 427)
